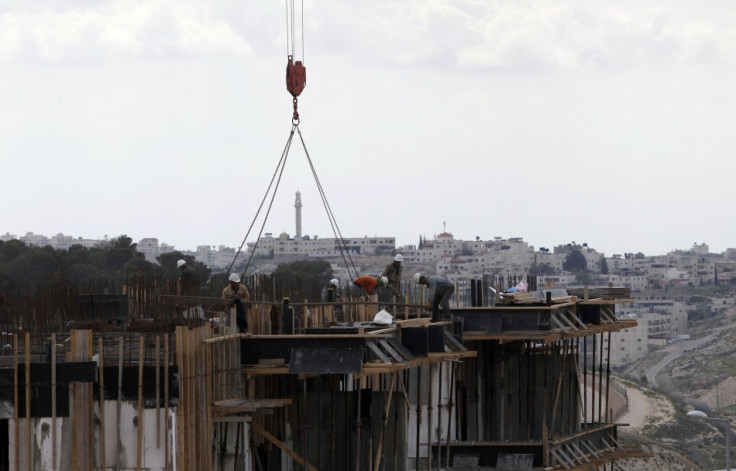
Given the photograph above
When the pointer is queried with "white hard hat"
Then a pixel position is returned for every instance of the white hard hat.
(180, 263)
(399, 258)
(382, 280)
(234, 277)
(416, 277)
(335, 282)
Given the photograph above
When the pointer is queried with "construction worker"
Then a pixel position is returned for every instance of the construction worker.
(370, 284)
(188, 282)
(189, 286)
(234, 294)
(393, 273)
(330, 295)
(440, 290)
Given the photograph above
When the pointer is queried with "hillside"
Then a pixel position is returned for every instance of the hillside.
(698, 377)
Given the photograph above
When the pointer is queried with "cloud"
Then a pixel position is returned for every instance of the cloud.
(530, 34)
(121, 28)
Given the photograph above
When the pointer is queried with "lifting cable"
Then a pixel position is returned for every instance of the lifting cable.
(330, 215)
(296, 80)
(344, 253)
(279, 171)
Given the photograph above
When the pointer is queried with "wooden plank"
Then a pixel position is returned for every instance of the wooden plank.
(53, 401)
(385, 331)
(568, 321)
(229, 419)
(166, 402)
(381, 439)
(118, 406)
(453, 343)
(181, 428)
(255, 427)
(157, 353)
(101, 367)
(16, 418)
(577, 319)
(29, 463)
(396, 356)
(579, 451)
(557, 322)
(377, 351)
(208, 381)
(139, 447)
(258, 402)
(569, 463)
(400, 348)
(82, 446)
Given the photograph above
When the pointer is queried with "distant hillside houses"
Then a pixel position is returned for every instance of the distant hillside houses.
(695, 267)
(59, 241)
(314, 247)
(462, 258)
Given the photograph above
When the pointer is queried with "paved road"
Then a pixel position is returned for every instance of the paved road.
(681, 346)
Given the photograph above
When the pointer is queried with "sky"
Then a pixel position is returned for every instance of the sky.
(606, 123)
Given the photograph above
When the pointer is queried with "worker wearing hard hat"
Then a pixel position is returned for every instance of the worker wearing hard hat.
(234, 294)
(370, 284)
(440, 290)
(393, 273)
(331, 295)
(189, 286)
(188, 282)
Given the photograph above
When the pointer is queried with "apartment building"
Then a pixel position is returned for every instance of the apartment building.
(628, 345)
(314, 247)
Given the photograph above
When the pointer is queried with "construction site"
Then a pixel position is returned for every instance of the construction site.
(136, 384)
(141, 375)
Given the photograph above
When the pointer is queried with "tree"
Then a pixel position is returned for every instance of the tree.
(542, 269)
(303, 272)
(603, 265)
(26, 269)
(575, 261)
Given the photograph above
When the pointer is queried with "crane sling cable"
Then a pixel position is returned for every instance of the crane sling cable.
(296, 80)
(342, 246)
(330, 215)
(278, 171)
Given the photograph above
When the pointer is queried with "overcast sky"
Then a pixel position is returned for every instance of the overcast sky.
(611, 123)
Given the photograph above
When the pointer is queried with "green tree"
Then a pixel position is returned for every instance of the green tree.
(26, 269)
(542, 269)
(603, 265)
(575, 261)
(295, 273)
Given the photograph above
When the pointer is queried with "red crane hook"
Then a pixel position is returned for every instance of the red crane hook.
(296, 80)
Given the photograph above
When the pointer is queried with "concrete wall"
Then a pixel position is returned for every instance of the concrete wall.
(152, 458)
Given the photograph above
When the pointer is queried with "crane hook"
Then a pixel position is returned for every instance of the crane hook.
(296, 80)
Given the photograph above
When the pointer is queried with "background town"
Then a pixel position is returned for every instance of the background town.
(677, 358)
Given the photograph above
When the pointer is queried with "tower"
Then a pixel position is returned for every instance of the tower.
(298, 207)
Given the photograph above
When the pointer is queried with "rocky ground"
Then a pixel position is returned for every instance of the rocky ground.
(701, 378)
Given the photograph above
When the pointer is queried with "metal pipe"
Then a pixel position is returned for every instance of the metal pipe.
(451, 400)
(419, 415)
(600, 380)
(429, 417)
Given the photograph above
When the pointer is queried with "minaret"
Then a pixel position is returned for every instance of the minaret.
(298, 206)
